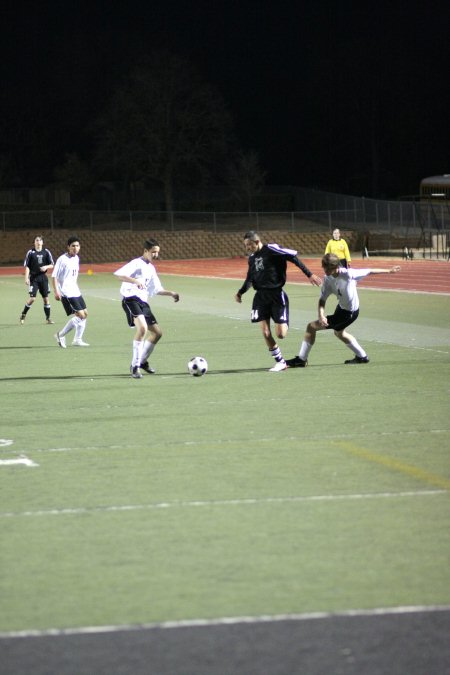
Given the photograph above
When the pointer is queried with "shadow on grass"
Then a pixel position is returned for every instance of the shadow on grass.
(127, 376)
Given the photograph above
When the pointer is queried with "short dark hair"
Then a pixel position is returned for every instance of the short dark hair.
(150, 243)
(330, 260)
(72, 240)
(252, 235)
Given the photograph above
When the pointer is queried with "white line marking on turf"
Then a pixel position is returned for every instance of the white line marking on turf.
(223, 502)
(228, 621)
(18, 460)
(231, 441)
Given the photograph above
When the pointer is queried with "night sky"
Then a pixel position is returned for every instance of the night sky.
(348, 96)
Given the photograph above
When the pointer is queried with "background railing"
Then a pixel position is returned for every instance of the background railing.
(417, 223)
(386, 216)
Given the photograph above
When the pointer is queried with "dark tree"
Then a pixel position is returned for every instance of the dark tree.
(246, 178)
(164, 124)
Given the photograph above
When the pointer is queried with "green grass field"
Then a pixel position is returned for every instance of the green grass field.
(242, 493)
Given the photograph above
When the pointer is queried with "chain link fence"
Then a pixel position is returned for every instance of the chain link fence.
(422, 225)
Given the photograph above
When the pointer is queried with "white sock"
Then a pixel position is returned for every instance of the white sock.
(80, 327)
(70, 325)
(137, 351)
(304, 350)
(356, 348)
(147, 350)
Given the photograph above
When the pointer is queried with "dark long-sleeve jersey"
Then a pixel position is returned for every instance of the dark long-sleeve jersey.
(267, 267)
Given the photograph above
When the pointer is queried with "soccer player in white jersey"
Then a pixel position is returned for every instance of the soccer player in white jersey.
(65, 287)
(341, 282)
(139, 282)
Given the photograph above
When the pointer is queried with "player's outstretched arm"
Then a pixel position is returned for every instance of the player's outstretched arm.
(390, 270)
(175, 296)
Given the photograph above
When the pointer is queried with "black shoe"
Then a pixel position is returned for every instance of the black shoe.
(296, 362)
(358, 359)
(145, 366)
(135, 372)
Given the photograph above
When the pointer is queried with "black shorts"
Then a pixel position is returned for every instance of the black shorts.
(73, 305)
(270, 303)
(39, 283)
(341, 318)
(134, 307)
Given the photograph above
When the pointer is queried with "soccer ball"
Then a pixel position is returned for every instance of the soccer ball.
(197, 366)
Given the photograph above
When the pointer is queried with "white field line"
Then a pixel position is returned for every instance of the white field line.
(223, 502)
(18, 460)
(228, 621)
(231, 441)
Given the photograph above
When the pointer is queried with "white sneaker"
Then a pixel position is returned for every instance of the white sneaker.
(278, 367)
(60, 340)
(80, 343)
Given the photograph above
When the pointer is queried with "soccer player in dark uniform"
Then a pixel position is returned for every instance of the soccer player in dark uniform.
(38, 261)
(267, 265)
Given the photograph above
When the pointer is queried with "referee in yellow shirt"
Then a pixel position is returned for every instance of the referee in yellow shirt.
(339, 247)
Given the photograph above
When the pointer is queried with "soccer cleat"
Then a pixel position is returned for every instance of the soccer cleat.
(296, 362)
(49, 321)
(80, 343)
(278, 367)
(358, 359)
(146, 366)
(60, 340)
(135, 372)
(22, 318)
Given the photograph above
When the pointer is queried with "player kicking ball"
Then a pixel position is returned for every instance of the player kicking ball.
(140, 282)
(341, 282)
(267, 264)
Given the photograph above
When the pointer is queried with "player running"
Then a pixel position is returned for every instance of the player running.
(267, 264)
